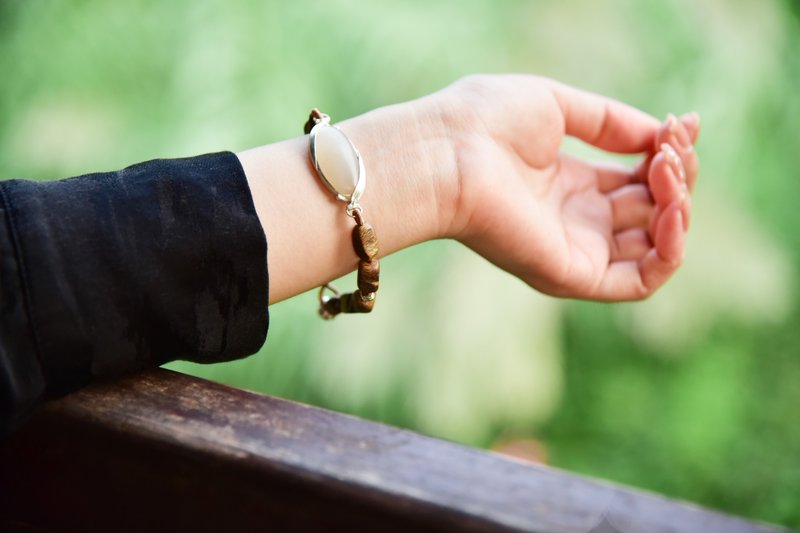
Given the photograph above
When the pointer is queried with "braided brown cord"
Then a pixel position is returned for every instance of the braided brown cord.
(365, 244)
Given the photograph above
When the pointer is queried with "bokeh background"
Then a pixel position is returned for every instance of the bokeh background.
(694, 393)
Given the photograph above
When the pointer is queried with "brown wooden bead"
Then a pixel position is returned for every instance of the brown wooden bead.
(311, 122)
(365, 242)
(330, 307)
(348, 305)
(353, 303)
(364, 302)
(368, 274)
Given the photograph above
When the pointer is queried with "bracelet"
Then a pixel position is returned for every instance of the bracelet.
(339, 166)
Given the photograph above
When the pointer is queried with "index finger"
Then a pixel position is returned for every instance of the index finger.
(604, 122)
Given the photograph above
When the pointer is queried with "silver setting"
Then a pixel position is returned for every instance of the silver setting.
(323, 299)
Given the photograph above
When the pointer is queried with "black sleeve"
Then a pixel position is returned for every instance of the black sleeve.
(108, 273)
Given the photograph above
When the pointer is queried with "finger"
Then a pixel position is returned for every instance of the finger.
(686, 215)
(667, 177)
(670, 235)
(612, 176)
(691, 121)
(608, 174)
(630, 244)
(675, 134)
(642, 169)
(604, 122)
(631, 207)
(685, 129)
(659, 264)
(635, 280)
(686, 211)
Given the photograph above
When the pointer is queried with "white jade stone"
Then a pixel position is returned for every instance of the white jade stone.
(337, 160)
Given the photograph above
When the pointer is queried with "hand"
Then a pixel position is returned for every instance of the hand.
(566, 226)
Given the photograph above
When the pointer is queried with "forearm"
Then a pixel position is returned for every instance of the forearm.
(113, 272)
(409, 198)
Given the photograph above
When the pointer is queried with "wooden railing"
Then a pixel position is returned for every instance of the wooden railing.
(162, 451)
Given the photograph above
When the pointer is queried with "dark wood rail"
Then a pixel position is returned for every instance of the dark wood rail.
(167, 452)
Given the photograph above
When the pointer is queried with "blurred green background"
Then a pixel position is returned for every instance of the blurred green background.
(694, 393)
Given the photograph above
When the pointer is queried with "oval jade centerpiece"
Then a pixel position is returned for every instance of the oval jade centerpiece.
(337, 161)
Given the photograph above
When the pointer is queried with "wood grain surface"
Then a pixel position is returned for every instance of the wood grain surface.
(162, 451)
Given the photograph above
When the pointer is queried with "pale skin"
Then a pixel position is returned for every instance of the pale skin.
(480, 162)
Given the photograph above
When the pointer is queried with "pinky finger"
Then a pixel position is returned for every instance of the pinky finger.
(636, 280)
(659, 264)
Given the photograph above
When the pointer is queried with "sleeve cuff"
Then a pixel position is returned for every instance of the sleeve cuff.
(163, 260)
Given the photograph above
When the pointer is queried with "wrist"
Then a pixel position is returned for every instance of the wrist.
(409, 196)
(411, 173)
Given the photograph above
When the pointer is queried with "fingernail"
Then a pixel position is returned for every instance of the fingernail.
(691, 118)
(671, 122)
(679, 133)
(674, 161)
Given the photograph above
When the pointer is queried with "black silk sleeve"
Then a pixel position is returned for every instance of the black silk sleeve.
(109, 273)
